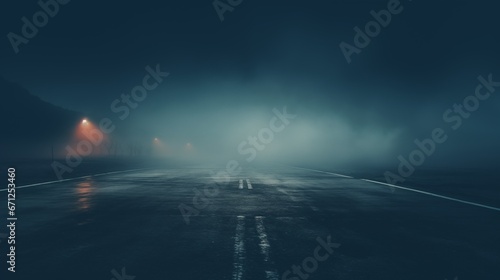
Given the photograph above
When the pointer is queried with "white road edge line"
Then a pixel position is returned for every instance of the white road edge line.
(433, 194)
(73, 179)
(239, 249)
(249, 185)
(336, 174)
(409, 189)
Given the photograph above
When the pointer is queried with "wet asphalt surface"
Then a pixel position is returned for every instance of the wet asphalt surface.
(127, 225)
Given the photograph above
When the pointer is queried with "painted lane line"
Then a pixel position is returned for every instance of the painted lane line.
(241, 185)
(264, 243)
(249, 185)
(265, 247)
(73, 179)
(435, 195)
(239, 249)
(410, 189)
(331, 173)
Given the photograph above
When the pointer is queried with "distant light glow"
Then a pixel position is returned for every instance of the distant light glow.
(85, 121)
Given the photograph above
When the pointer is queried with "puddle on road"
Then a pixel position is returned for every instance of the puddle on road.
(84, 192)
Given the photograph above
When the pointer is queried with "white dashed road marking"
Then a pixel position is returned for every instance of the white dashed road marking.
(264, 243)
(239, 249)
(241, 185)
(265, 247)
(249, 185)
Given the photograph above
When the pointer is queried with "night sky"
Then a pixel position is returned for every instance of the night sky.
(226, 77)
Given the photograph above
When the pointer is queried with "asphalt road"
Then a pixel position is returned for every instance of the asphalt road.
(129, 226)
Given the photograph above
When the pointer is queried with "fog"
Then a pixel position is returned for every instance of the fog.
(226, 78)
(330, 127)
